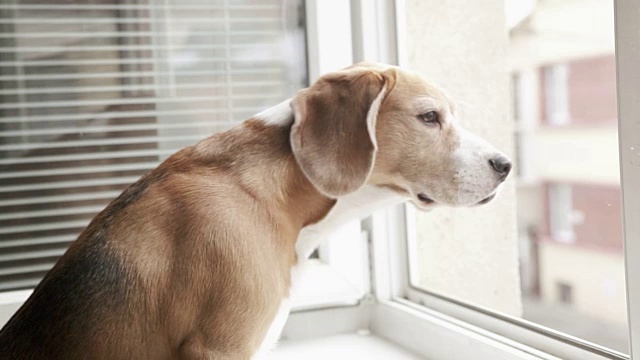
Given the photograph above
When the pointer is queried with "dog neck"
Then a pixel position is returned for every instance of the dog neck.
(354, 206)
(257, 155)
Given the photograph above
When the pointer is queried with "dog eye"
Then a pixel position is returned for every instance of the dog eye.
(430, 118)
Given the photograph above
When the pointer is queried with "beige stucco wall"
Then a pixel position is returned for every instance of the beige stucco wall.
(554, 39)
(578, 154)
(596, 276)
(468, 253)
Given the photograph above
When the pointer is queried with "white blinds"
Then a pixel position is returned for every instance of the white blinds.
(94, 93)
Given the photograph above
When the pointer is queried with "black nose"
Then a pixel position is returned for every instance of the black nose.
(501, 164)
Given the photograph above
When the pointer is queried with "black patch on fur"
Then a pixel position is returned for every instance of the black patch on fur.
(83, 298)
(134, 192)
(68, 307)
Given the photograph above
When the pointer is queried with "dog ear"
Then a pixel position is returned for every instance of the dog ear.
(333, 136)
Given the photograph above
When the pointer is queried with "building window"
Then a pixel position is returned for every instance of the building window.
(561, 213)
(556, 94)
(515, 94)
(565, 293)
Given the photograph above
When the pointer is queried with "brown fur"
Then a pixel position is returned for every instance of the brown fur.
(428, 158)
(332, 114)
(175, 267)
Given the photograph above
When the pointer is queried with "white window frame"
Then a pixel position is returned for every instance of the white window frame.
(628, 86)
(340, 277)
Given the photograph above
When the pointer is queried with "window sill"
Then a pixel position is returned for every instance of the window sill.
(438, 336)
(398, 326)
(10, 301)
(324, 286)
(360, 345)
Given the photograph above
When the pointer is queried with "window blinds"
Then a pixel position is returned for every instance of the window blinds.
(93, 94)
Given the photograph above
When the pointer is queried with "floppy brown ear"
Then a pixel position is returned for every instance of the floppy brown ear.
(333, 135)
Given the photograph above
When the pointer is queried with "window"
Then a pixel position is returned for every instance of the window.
(516, 115)
(556, 94)
(93, 95)
(580, 91)
(561, 264)
(561, 213)
(523, 111)
(565, 293)
(516, 110)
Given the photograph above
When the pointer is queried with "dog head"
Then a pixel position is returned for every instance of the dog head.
(380, 125)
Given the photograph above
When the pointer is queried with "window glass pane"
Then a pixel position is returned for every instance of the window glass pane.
(93, 94)
(570, 263)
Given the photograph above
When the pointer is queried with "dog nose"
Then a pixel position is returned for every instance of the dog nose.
(501, 164)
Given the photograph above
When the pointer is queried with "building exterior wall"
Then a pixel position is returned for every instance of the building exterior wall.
(577, 154)
(581, 152)
(595, 276)
(601, 217)
(592, 91)
(591, 88)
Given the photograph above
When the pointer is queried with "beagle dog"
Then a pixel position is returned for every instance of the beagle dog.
(196, 259)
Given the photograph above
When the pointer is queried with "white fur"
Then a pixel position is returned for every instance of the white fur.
(475, 177)
(273, 334)
(354, 206)
(372, 116)
(281, 114)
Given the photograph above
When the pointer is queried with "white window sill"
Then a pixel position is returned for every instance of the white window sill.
(10, 301)
(346, 346)
(324, 286)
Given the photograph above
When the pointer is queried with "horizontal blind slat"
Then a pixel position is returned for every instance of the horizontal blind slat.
(105, 20)
(140, 87)
(31, 254)
(87, 156)
(137, 74)
(119, 114)
(72, 210)
(237, 59)
(57, 49)
(18, 284)
(125, 101)
(43, 227)
(25, 269)
(78, 170)
(60, 198)
(69, 184)
(136, 34)
(151, 5)
(111, 128)
(101, 142)
(37, 241)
